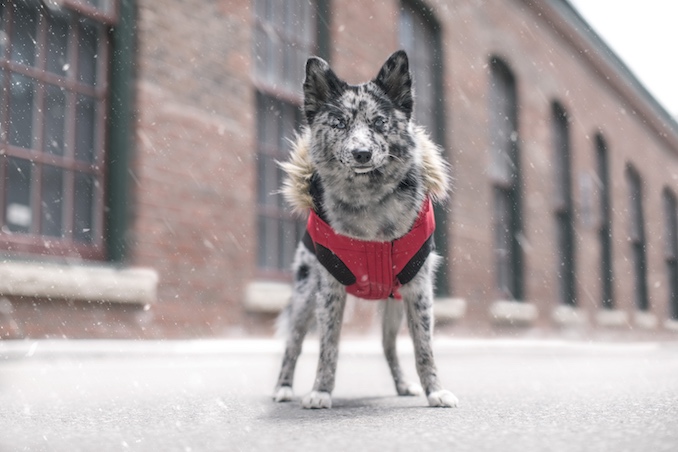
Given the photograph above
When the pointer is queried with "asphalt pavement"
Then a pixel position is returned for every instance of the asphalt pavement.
(216, 396)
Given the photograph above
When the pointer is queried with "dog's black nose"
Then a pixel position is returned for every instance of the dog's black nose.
(362, 156)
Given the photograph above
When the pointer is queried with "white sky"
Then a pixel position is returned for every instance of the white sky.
(644, 34)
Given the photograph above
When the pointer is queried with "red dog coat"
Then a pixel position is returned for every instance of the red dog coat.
(372, 270)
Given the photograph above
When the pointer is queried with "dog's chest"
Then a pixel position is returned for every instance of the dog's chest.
(383, 222)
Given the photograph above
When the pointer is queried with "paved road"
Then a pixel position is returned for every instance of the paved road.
(214, 396)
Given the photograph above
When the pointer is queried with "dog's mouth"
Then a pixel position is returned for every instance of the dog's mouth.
(363, 169)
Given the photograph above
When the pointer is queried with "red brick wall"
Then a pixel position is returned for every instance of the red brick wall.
(194, 216)
(195, 163)
(194, 177)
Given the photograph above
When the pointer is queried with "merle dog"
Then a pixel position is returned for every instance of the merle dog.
(367, 176)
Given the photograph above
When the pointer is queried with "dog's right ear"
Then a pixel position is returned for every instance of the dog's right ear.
(320, 85)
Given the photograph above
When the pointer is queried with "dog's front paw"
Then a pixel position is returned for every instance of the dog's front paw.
(443, 398)
(409, 389)
(283, 394)
(317, 399)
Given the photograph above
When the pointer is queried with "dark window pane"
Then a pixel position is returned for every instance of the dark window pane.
(102, 5)
(83, 208)
(561, 145)
(24, 32)
(261, 179)
(22, 94)
(503, 236)
(635, 192)
(3, 38)
(55, 119)
(57, 44)
(503, 124)
(261, 235)
(289, 240)
(88, 49)
(268, 249)
(18, 212)
(3, 105)
(52, 201)
(84, 128)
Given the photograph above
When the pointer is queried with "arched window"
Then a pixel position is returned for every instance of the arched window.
(637, 234)
(605, 224)
(55, 85)
(505, 173)
(420, 37)
(671, 248)
(286, 33)
(563, 208)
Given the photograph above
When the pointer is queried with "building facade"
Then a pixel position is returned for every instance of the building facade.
(138, 174)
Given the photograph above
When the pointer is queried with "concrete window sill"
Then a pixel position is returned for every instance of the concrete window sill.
(267, 297)
(78, 282)
(645, 320)
(612, 318)
(516, 313)
(671, 325)
(449, 309)
(569, 316)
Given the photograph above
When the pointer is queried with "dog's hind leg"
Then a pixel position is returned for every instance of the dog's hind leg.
(392, 320)
(418, 297)
(331, 301)
(295, 321)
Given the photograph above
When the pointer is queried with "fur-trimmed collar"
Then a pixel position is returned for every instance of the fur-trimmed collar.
(299, 170)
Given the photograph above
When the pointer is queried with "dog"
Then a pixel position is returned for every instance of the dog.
(366, 175)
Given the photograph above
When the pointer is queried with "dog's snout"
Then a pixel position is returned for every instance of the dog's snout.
(362, 156)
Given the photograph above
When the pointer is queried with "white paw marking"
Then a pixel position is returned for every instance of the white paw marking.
(317, 399)
(442, 398)
(409, 389)
(283, 394)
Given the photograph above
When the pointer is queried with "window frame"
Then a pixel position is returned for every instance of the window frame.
(280, 91)
(35, 241)
(605, 223)
(428, 59)
(670, 208)
(505, 177)
(109, 15)
(637, 237)
(563, 207)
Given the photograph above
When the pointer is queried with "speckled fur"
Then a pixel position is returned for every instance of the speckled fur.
(374, 168)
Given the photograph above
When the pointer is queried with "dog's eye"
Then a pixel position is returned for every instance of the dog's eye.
(379, 123)
(339, 124)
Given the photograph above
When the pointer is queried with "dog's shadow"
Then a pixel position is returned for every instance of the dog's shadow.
(361, 407)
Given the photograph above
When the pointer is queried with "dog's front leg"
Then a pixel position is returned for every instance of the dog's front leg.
(330, 303)
(418, 297)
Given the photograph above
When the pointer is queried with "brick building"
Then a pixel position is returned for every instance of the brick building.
(138, 142)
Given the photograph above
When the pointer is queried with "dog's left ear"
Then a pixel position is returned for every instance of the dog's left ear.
(396, 81)
(320, 86)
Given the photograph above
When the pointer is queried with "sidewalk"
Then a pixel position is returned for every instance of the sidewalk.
(214, 395)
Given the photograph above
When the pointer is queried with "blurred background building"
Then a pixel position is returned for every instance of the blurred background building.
(138, 177)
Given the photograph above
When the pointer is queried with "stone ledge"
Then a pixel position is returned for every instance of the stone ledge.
(671, 325)
(513, 313)
(78, 282)
(267, 297)
(645, 320)
(569, 316)
(449, 309)
(612, 318)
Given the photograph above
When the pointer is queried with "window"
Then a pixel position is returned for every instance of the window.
(53, 73)
(671, 249)
(637, 235)
(285, 35)
(605, 224)
(420, 37)
(563, 205)
(505, 173)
